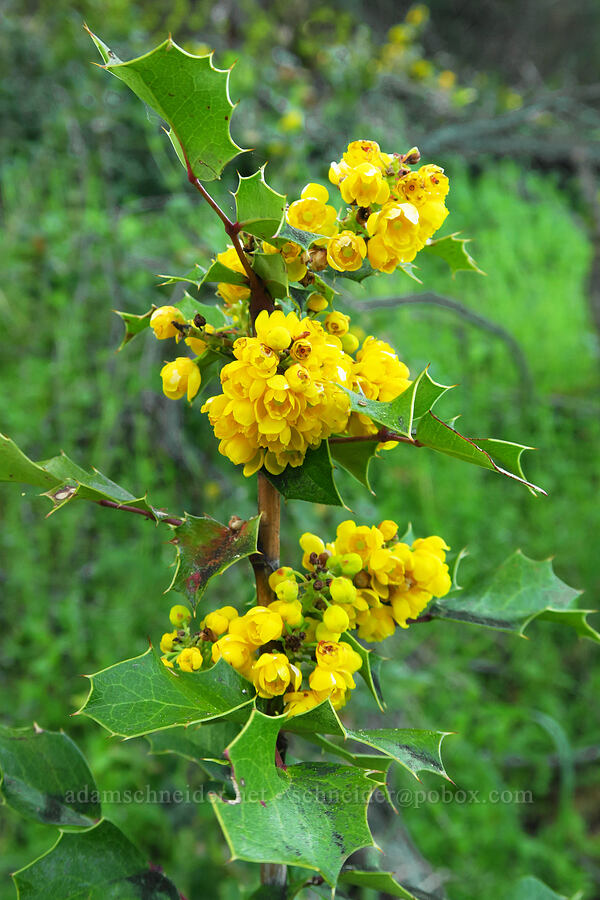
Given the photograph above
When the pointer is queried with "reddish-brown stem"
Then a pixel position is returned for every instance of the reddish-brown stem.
(267, 560)
(260, 299)
(148, 514)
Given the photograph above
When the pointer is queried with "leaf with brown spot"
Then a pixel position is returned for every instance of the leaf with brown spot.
(206, 548)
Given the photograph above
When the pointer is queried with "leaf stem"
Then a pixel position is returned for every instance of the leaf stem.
(155, 516)
(383, 435)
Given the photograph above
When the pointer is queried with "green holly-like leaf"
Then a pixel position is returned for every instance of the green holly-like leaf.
(190, 94)
(206, 548)
(453, 250)
(358, 275)
(498, 456)
(98, 864)
(383, 882)
(355, 458)
(401, 414)
(259, 209)
(288, 233)
(271, 268)
(217, 272)
(292, 815)
(518, 592)
(312, 481)
(64, 480)
(532, 889)
(141, 695)
(134, 325)
(43, 776)
(191, 307)
(194, 276)
(414, 749)
(369, 671)
(200, 744)
(322, 719)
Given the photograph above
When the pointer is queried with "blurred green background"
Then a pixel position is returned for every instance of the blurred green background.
(94, 205)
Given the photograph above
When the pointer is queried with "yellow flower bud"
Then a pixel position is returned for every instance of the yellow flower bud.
(349, 343)
(182, 376)
(179, 615)
(272, 674)
(218, 620)
(322, 633)
(281, 574)
(287, 591)
(342, 590)
(317, 303)
(189, 660)
(235, 651)
(346, 251)
(231, 259)
(389, 529)
(364, 186)
(166, 641)
(350, 564)
(311, 543)
(232, 293)
(337, 323)
(161, 322)
(335, 619)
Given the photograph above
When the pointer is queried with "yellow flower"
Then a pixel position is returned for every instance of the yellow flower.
(182, 376)
(337, 323)
(232, 293)
(360, 152)
(293, 256)
(275, 329)
(166, 662)
(189, 660)
(272, 674)
(435, 181)
(364, 185)
(291, 613)
(298, 702)
(279, 575)
(327, 683)
(378, 372)
(360, 539)
(447, 79)
(376, 624)
(311, 212)
(335, 618)
(292, 120)
(179, 615)
(338, 656)
(381, 256)
(397, 225)
(259, 626)
(235, 651)
(218, 620)
(346, 251)
(166, 641)
(231, 260)
(161, 322)
(339, 171)
(322, 633)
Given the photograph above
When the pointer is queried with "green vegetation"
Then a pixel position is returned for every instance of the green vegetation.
(78, 242)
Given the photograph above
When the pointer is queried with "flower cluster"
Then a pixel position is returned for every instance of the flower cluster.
(281, 393)
(394, 209)
(298, 647)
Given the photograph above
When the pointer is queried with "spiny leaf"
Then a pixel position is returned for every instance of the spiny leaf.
(65, 480)
(194, 276)
(190, 94)
(134, 325)
(259, 209)
(383, 882)
(437, 435)
(399, 415)
(191, 307)
(98, 864)
(453, 250)
(416, 750)
(141, 695)
(288, 233)
(206, 548)
(200, 744)
(312, 481)
(512, 596)
(322, 719)
(271, 268)
(367, 671)
(292, 815)
(217, 272)
(44, 776)
(355, 458)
